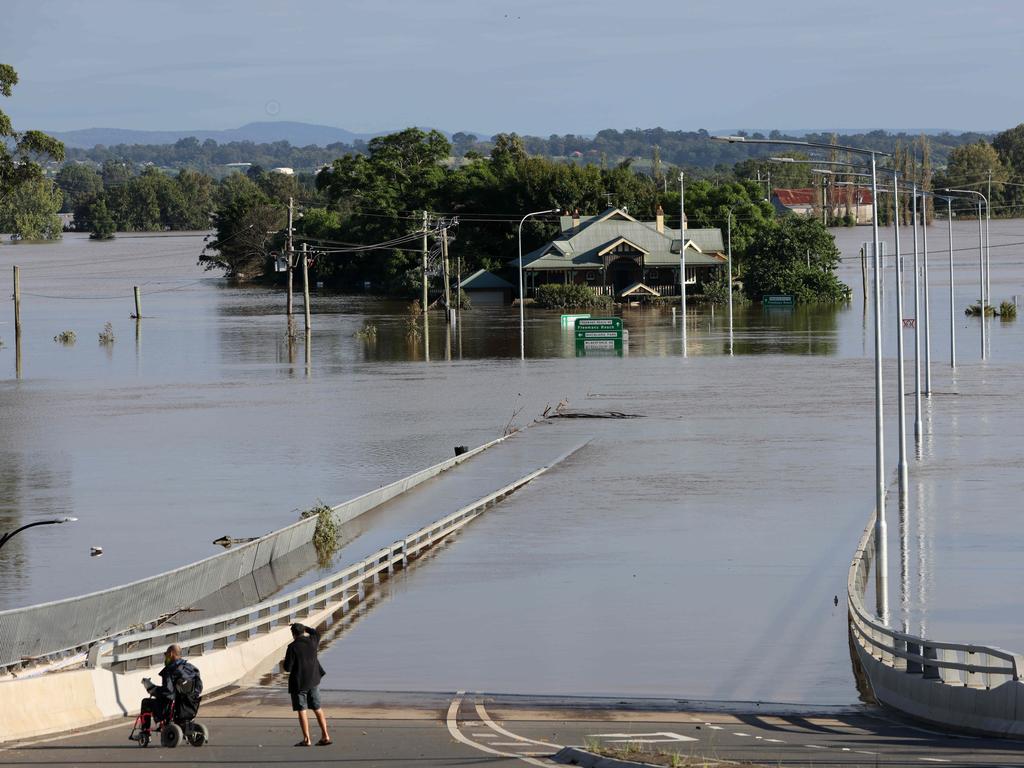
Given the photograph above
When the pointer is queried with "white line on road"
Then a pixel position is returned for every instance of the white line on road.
(482, 713)
(451, 720)
(933, 759)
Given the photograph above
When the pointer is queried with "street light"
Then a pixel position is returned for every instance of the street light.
(729, 279)
(881, 548)
(682, 253)
(8, 536)
(522, 297)
(952, 313)
(981, 256)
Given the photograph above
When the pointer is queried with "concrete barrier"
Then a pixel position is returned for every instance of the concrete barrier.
(961, 687)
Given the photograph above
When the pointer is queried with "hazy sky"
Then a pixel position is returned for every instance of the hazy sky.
(556, 66)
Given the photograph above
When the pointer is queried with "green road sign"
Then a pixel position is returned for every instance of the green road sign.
(778, 300)
(571, 319)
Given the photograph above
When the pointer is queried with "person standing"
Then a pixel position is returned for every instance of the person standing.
(304, 675)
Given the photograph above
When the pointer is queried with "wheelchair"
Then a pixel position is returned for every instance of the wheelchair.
(173, 720)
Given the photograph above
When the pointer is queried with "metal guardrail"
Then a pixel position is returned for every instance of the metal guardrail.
(61, 632)
(957, 664)
(342, 589)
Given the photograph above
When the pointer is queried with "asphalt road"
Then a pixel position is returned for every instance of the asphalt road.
(256, 727)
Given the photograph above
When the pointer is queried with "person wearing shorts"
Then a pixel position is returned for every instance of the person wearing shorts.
(304, 675)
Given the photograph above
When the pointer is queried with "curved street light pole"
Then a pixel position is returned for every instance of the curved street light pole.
(8, 536)
(881, 549)
(522, 296)
(985, 299)
(682, 254)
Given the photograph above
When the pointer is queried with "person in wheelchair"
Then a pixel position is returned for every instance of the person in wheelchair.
(175, 699)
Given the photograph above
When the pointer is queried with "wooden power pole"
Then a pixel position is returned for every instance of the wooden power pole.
(305, 287)
(291, 264)
(447, 280)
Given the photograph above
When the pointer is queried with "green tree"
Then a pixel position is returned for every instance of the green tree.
(101, 222)
(970, 164)
(797, 256)
(80, 184)
(246, 222)
(30, 211)
(20, 151)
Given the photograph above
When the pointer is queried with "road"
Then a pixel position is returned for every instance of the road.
(256, 727)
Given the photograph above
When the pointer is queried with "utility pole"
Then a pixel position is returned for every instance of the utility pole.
(305, 289)
(17, 321)
(447, 281)
(988, 242)
(426, 297)
(291, 261)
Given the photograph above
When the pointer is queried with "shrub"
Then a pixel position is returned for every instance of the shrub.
(368, 332)
(1007, 311)
(325, 536)
(67, 338)
(571, 297)
(107, 335)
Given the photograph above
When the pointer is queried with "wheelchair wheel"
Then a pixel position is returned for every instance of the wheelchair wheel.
(143, 739)
(170, 735)
(198, 735)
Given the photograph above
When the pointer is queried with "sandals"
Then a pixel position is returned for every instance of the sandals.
(324, 743)
(303, 743)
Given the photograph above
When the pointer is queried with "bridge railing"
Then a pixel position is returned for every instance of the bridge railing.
(339, 591)
(957, 664)
(62, 632)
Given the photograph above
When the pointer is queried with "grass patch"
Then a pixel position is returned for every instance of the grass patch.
(644, 753)
(1007, 311)
(67, 338)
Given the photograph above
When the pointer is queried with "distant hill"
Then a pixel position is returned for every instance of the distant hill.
(267, 132)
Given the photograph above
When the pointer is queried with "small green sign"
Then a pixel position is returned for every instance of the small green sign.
(599, 324)
(778, 300)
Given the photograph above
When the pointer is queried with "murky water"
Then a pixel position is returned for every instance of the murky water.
(694, 552)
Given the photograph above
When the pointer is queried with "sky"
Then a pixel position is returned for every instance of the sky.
(559, 66)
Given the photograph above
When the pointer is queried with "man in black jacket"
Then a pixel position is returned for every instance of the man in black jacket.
(304, 673)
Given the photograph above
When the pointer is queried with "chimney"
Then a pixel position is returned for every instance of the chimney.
(576, 218)
(659, 219)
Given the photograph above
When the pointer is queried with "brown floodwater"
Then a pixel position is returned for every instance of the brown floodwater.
(692, 552)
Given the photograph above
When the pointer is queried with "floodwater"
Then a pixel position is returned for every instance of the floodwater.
(692, 552)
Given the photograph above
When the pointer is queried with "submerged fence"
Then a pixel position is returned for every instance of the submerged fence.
(51, 631)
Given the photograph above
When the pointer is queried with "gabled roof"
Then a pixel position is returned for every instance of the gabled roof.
(482, 279)
(619, 241)
(639, 288)
(581, 247)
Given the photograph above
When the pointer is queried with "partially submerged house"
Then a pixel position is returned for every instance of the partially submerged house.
(618, 255)
(485, 287)
(838, 199)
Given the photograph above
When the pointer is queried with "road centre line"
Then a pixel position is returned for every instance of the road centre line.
(933, 759)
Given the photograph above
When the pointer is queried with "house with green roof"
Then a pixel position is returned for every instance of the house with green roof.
(618, 255)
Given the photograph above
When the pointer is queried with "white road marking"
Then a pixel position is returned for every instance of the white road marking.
(482, 714)
(814, 746)
(740, 733)
(642, 738)
(933, 759)
(714, 727)
(865, 752)
(453, 728)
(775, 741)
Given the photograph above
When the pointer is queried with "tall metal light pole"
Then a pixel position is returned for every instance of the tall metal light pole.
(988, 240)
(952, 302)
(8, 536)
(522, 296)
(729, 278)
(682, 254)
(901, 402)
(981, 260)
(918, 422)
(927, 306)
(881, 548)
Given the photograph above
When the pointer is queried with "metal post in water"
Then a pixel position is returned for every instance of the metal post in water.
(881, 547)
(927, 307)
(901, 402)
(138, 304)
(682, 254)
(981, 267)
(952, 301)
(729, 282)
(918, 424)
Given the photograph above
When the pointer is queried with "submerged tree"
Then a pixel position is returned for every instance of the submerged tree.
(20, 150)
